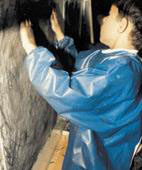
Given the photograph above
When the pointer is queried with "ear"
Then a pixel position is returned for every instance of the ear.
(123, 24)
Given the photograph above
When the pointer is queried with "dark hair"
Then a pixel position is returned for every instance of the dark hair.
(133, 10)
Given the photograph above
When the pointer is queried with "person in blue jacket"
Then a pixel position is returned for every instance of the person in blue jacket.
(103, 98)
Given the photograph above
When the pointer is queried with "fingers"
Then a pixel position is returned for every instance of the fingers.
(56, 26)
(53, 13)
(27, 36)
(26, 23)
(54, 16)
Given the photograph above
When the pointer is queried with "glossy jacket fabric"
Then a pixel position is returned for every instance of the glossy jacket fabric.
(102, 100)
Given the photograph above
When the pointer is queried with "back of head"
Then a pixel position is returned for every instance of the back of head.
(132, 9)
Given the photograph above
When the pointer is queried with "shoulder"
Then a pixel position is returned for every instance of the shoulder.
(120, 58)
(109, 60)
(123, 67)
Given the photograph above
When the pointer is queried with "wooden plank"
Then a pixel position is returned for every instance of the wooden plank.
(58, 157)
(52, 158)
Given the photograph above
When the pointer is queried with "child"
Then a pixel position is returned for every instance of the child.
(103, 98)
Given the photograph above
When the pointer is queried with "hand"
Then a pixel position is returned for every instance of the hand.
(56, 26)
(27, 36)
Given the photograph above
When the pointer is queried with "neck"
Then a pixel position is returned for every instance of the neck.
(123, 44)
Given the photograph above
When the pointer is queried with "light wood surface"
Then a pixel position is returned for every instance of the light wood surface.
(52, 155)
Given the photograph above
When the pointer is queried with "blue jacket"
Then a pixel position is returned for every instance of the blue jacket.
(102, 100)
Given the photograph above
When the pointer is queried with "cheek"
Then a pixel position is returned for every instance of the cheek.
(109, 30)
(107, 34)
(105, 31)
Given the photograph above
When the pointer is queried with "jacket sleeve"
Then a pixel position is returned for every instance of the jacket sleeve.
(88, 97)
(67, 44)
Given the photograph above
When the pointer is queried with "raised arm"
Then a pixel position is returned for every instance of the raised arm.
(63, 42)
